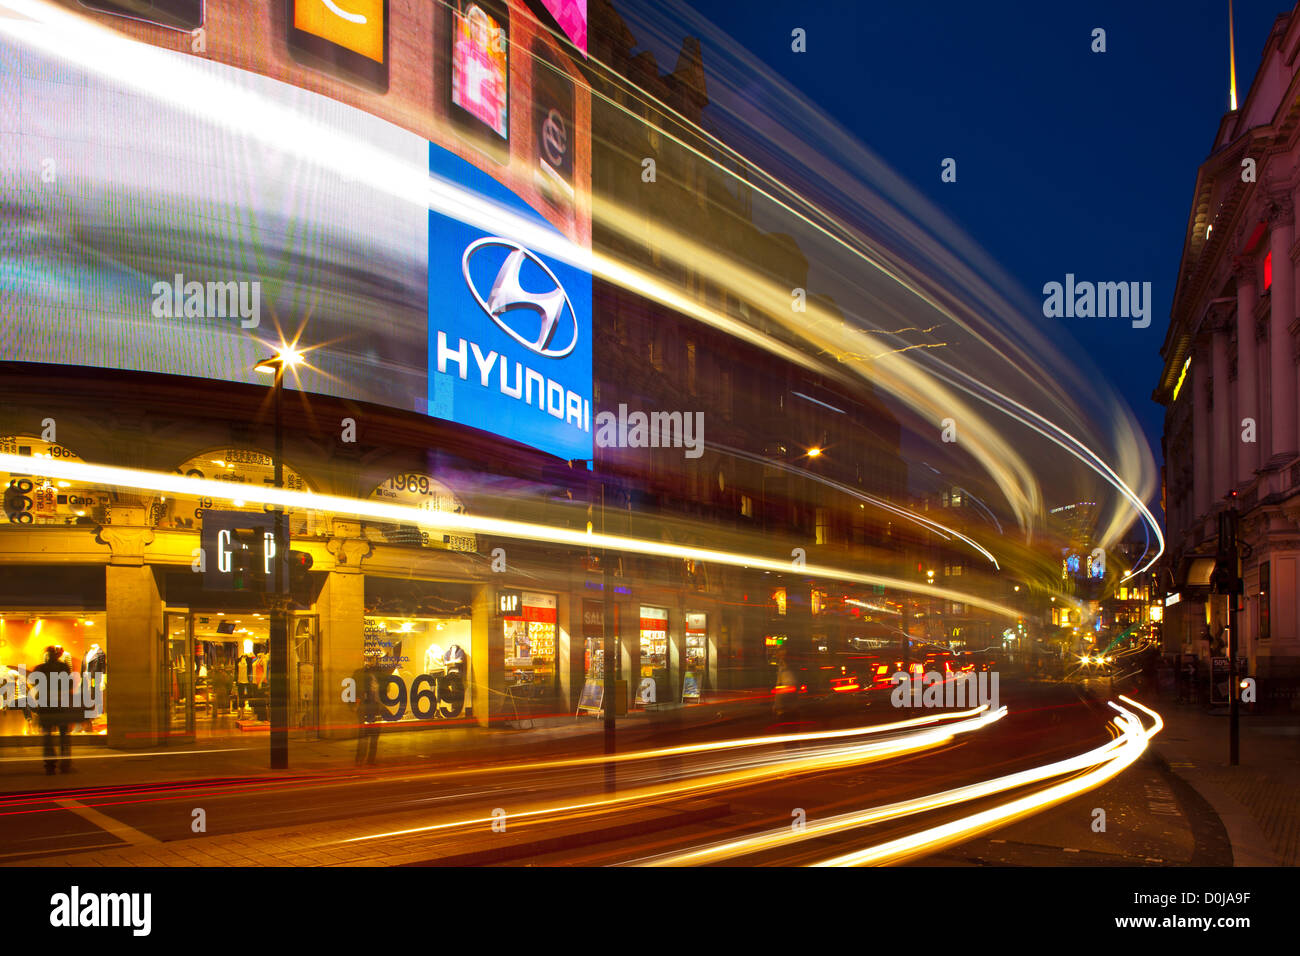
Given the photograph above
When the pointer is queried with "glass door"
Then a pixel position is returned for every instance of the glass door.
(178, 674)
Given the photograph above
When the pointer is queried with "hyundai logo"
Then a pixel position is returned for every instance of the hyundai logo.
(508, 303)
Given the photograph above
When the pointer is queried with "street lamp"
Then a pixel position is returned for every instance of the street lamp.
(929, 617)
(278, 664)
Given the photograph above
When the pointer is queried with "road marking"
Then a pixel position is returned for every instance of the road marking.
(62, 851)
(123, 831)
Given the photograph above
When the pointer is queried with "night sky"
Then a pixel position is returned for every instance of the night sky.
(1068, 160)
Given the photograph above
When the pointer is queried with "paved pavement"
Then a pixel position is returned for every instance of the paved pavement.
(247, 755)
(1258, 800)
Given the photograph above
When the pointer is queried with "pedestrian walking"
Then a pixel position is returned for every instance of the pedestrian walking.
(366, 679)
(53, 707)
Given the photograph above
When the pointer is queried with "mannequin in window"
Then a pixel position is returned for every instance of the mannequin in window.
(93, 669)
(244, 682)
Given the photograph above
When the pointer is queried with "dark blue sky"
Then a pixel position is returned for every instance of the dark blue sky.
(1068, 161)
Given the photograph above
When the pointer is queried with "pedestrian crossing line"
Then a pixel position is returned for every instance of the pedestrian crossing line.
(123, 831)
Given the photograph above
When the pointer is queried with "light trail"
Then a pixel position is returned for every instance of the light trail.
(929, 524)
(1128, 747)
(777, 765)
(1103, 756)
(161, 482)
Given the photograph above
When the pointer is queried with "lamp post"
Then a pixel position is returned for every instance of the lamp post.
(609, 652)
(278, 663)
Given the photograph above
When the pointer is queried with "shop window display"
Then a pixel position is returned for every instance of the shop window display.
(424, 664)
(696, 663)
(654, 683)
(593, 640)
(530, 647)
(81, 644)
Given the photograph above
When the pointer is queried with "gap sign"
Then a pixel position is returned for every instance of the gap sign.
(238, 550)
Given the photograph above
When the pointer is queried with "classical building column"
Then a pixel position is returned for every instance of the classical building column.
(1282, 368)
(342, 610)
(133, 700)
(1247, 368)
(1221, 447)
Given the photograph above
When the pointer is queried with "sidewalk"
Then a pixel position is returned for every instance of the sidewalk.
(246, 755)
(1258, 800)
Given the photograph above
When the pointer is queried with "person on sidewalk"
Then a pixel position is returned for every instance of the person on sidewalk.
(53, 712)
(366, 679)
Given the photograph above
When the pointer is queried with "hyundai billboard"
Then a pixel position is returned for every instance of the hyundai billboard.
(509, 328)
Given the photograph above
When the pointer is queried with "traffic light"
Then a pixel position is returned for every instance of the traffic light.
(300, 590)
(247, 563)
(1224, 578)
(18, 507)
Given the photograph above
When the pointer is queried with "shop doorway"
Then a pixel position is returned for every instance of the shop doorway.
(217, 676)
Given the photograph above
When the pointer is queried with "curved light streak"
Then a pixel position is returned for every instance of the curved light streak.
(777, 837)
(783, 764)
(1128, 747)
(942, 530)
(153, 481)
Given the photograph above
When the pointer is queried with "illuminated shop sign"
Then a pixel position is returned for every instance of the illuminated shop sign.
(509, 603)
(509, 329)
(238, 550)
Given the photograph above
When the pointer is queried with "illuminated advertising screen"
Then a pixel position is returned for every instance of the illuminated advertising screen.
(480, 70)
(571, 15)
(509, 326)
(177, 14)
(145, 235)
(348, 38)
(553, 127)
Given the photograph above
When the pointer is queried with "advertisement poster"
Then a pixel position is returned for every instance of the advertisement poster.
(690, 688)
(479, 69)
(571, 15)
(510, 342)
